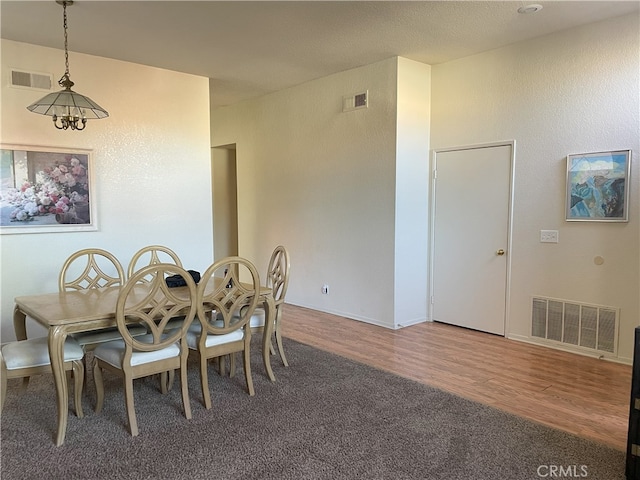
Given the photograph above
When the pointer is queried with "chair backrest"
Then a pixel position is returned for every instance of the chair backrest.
(221, 294)
(90, 268)
(151, 255)
(146, 299)
(278, 273)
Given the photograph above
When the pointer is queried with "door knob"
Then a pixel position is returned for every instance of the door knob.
(500, 252)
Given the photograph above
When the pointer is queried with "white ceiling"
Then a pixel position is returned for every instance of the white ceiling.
(252, 48)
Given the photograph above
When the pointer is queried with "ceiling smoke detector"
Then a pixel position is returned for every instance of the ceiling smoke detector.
(532, 8)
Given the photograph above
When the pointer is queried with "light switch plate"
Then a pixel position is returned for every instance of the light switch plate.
(549, 236)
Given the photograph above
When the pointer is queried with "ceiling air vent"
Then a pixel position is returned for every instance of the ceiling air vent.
(39, 81)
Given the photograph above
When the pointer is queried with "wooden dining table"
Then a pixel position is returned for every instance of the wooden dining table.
(64, 313)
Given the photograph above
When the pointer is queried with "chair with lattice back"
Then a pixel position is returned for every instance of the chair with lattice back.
(94, 268)
(151, 255)
(146, 298)
(278, 281)
(219, 331)
(90, 268)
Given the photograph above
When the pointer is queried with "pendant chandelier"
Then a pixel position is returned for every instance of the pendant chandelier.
(66, 106)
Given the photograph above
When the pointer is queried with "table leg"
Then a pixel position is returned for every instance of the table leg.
(57, 337)
(20, 327)
(269, 320)
(19, 323)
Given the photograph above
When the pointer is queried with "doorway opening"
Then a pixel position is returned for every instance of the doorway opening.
(225, 201)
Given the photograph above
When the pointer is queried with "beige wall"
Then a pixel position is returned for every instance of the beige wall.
(151, 159)
(322, 183)
(572, 92)
(412, 192)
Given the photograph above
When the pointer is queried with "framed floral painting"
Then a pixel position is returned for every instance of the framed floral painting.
(46, 189)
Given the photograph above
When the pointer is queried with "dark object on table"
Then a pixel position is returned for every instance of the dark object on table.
(178, 281)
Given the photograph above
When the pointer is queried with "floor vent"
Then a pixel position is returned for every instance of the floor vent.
(39, 81)
(583, 326)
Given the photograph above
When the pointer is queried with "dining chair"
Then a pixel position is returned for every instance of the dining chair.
(145, 298)
(278, 281)
(218, 331)
(151, 255)
(90, 268)
(94, 268)
(26, 358)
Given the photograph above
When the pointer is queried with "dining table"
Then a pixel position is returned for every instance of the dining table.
(65, 313)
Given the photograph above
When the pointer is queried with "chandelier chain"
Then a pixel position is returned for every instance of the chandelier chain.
(67, 108)
(66, 51)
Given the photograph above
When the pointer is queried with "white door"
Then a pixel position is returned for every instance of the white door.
(471, 237)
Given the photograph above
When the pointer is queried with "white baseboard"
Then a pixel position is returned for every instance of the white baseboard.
(565, 348)
(361, 318)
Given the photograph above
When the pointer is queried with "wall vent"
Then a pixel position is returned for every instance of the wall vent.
(586, 327)
(38, 81)
(355, 101)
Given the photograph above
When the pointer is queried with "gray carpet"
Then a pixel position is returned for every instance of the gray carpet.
(324, 418)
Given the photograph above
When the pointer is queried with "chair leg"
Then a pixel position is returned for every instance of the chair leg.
(97, 379)
(247, 370)
(163, 383)
(262, 330)
(85, 369)
(279, 337)
(166, 381)
(78, 383)
(3, 388)
(232, 365)
(221, 365)
(204, 382)
(185, 390)
(280, 347)
(131, 410)
(170, 380)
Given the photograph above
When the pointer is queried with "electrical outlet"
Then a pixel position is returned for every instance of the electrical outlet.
(325, 289)
(549, 236)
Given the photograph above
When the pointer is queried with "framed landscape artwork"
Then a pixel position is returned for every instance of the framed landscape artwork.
(598, 186)
(46, 189)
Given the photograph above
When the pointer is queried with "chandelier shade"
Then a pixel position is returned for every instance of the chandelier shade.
(68, 102)
(70, 108)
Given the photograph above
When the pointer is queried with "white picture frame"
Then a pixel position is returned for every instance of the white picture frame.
(46, 190)
(598, 186)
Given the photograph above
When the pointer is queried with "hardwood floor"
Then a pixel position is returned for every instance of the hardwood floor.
(581, 395)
